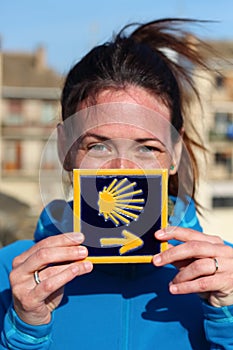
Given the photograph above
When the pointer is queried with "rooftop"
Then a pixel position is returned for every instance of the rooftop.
(23, 69)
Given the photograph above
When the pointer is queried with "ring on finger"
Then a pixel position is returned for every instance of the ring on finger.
(216, 265)
(36, 277)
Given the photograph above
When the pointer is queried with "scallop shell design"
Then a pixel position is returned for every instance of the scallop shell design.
(117, 202)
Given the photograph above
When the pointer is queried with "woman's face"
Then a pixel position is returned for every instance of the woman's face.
(134, 131)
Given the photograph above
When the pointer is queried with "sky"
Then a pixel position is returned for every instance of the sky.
(69, 28)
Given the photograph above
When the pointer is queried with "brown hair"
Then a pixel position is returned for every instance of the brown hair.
(144, 58)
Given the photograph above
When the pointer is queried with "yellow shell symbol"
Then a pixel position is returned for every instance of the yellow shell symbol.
(116, 202)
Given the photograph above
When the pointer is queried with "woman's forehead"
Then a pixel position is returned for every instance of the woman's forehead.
(132, 95)
(120, 120)
(130, 106)
(121, 131)
(121, 115)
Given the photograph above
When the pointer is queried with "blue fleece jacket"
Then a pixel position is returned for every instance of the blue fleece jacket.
(125, 306)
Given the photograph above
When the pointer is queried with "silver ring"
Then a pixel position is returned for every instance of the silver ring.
(36, 277)
(216, 264)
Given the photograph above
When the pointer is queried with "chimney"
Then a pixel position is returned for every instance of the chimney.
(40, 57)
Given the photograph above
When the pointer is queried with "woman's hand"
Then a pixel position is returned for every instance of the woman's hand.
(58, 259)
(199, 272)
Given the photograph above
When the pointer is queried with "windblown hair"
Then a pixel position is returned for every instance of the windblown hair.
(144, 58)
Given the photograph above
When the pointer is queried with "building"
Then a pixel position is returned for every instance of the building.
(217, 98)
(29, 111)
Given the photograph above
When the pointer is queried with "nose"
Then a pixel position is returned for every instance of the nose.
(120, 163)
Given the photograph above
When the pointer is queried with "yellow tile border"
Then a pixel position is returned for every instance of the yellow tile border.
(77, 173)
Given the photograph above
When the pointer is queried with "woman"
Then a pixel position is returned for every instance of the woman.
(184, 298)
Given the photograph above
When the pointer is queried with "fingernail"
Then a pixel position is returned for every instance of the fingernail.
(82, 252)
(157, 259)
(160, 233)
(77, 237)
(88, 265)
(173, 288)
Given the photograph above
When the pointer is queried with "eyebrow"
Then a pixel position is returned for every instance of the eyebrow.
(105, 138)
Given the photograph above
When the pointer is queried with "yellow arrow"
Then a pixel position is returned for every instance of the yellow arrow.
(129, 242)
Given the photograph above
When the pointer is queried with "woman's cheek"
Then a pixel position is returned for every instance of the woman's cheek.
(156, 163)
(84, 161)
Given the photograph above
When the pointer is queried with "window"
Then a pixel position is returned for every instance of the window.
(224, 159)
(222, 202)
(219, 81)
(223, 125)
(48, 113)
(50, 158)
(14, 115)
(12, 155)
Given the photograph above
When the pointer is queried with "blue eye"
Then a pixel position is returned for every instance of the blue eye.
(147, 149)
(97, 148)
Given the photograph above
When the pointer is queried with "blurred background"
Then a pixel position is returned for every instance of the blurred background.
(40, 41)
